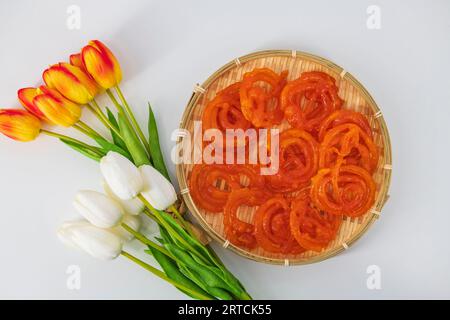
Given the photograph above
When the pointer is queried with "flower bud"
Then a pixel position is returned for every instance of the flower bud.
(121, 175)
(98, 209)
(19, 124)
(133, 206)
(26, 96)
(75, 60)
(158, 191)
(99, 243)
(72, 82)
(57, 109)
(101, 64)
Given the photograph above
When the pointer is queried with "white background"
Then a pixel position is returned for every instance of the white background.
(165, 48)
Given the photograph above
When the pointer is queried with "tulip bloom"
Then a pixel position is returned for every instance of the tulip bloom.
(99, 243)
(19, 124)
(75, 60)
(72, 82)
(57, 109)
(98, 209)
(101, 64)
(121, 175)
(158, 191)
(132, 206)
(26, 96)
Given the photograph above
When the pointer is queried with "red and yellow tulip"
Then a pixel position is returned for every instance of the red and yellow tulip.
(101, 64)
(56, 108)
(26, 96)
(72, 82)
(75, 60)
(19, 124)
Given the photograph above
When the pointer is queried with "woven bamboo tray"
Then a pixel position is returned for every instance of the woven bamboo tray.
(356, 98)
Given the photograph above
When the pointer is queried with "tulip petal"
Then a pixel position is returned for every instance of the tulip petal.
(26, 96)
(72, 82)
(121, 175)
(75, 60)
(99, 243)
(19, 124)
(101, 64)
(57, 109)
(133, 206)
(65, 236)
(98, 209)
(158, 191)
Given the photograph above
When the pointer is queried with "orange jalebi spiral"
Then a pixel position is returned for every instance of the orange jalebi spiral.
(341, 117)
(239, 232)
(272, 230)
(204, 183)
(224, 111)
(312, 229)
(343, 190)
(308, 100)
(350, 143)
(260, 105)
(298, 161)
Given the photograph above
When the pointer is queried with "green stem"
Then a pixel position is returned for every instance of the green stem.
(133, 119)
(87, 128)
(96, 114)
(119, 107)
(103, 118)
(169, 228)
(147, 241)
(180, 218)
(62, 136)
(151, 216)
(83, 131)
(161, 275)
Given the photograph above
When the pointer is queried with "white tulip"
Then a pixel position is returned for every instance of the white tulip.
(121, 175)
(133, 206)
(134, 222)
(158, 191)
(98, 209)
(99, 243)
(65, 236)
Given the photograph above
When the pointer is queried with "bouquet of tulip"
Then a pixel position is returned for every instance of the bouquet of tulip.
(135, 176)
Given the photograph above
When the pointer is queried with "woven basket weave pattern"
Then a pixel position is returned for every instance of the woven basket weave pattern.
(355, 98)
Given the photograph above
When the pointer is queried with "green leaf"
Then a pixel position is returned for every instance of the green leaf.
(155, 147)
(216, 266)
(88, 151)
(191, 240)
(193, 276)
(117, 140)
(108, 146)
(208, 276)
(165, 235)
(170, 268)
(134, 145)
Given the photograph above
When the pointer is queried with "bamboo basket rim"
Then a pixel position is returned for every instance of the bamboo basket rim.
(382, 195)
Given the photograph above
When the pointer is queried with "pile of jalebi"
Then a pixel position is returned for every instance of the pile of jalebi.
(326, 161)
